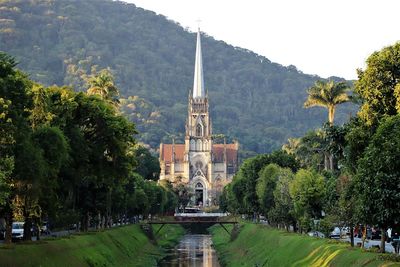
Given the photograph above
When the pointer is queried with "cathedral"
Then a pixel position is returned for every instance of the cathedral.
(204, 166)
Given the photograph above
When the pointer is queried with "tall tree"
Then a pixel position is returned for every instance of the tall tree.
(249, 173)
(102, 84)
(307, 191)
(148, 165)
(378, 85)
(265, 187)
(328, 95)
(309, 150)
(15, 127)
(6, 158)
(378, 177)
(283, 210)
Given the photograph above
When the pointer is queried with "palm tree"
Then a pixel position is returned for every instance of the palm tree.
(102, 84)
(328, 95)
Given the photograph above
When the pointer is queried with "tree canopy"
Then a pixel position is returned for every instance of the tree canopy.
(378, 85)
(328, 95)
(70, 158)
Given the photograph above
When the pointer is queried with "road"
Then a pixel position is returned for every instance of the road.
(370, 243)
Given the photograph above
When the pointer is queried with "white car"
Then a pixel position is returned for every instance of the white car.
(17, 230)
(335, 234)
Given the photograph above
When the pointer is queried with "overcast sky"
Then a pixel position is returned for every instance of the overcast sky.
(323, 37)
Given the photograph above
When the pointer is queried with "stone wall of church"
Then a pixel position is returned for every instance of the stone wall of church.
(219, 168)
(179, 168)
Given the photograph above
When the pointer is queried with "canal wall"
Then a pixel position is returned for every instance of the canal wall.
(260, 245)
(121, 246)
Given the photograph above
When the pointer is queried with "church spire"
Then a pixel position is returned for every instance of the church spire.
(198, 84)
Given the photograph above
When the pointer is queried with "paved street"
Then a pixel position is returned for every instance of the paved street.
(370, 243)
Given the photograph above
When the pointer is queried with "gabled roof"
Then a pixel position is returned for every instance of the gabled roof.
(166, 152)
(217, 149)
(231, 153)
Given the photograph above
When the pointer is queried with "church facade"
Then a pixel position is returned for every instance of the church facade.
(206, 167)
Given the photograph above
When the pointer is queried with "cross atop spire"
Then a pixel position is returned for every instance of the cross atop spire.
(198, 83)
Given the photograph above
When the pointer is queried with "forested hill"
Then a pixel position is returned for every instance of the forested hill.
(252, 99)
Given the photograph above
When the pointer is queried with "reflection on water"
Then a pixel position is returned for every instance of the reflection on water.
(192, 251)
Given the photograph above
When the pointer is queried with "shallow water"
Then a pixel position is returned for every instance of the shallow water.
(192, 251)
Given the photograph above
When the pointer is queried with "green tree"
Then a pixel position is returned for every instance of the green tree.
(102, 84)
(55, 153)
(378, 177)
(328, 95)
(265, 187)
(6, 158)
(183, 191)
(6, 168)
(39, 113)
(236, 196)
(172, 199)
(334, 144)
(30, 170)
(283, 209)
(347, 203)
(357, 138)
(249, 173)
(378, 85)
(148, 166)
(310, 150)
(15, 130)
(307, 191)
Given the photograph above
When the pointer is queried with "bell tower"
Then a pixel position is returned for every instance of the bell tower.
(203, 165)
(198, 142)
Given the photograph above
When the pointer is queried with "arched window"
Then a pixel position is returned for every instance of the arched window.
(199, 185)
(199, 130)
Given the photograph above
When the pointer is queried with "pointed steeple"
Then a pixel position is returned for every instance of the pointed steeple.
(198, 84)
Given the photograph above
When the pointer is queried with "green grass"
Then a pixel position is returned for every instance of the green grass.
(258, 245)
(123, 246)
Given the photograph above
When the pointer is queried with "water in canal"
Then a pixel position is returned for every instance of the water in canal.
(194, 250)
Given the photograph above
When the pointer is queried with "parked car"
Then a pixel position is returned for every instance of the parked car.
(316, 234)
(335, 234)
(17, 230)
(345, 231)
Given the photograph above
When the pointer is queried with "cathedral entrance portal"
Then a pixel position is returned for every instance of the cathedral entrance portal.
(199, 195)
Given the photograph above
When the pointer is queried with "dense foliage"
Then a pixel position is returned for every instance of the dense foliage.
(349, 174)
(252, 99)
(71, 158)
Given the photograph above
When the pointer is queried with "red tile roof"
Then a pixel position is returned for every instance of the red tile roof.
(166, 152)
(217, 149)
(231, 153)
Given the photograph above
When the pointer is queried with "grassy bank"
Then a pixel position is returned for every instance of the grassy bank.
(258, 245)
(123, 246)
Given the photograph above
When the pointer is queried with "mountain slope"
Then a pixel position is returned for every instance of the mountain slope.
(252, 99)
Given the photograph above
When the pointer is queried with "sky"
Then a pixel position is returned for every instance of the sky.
(321, 37)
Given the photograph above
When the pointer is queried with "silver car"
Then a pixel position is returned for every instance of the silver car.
(17, 230)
